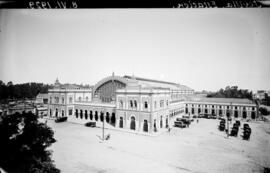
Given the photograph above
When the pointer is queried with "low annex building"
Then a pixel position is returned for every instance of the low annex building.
(226, 107)
(126, 102)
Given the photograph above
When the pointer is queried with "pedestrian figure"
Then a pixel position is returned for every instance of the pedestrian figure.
(46, 122)
(108, 137)
(197, 120)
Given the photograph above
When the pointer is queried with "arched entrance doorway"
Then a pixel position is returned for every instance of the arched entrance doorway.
(85, 114)
(101, 116)
(56, 112)
(145, 126)
(96, 115)
(76, 113)
(155, 125)
(220, 112)
(228, 114)
(107, 117)
(113, 119)
(161, 122)
(244, 114)
(236, 114)
(213, 112)
(132, 123)
(91, 115)
(81, 114)
(253, 115)
(121, 123)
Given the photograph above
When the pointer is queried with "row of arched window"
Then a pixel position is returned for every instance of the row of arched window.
(133, 104)
(95, 116)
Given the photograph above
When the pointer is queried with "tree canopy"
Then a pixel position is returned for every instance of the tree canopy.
(232, 92)
(21, 91)
(24, 141)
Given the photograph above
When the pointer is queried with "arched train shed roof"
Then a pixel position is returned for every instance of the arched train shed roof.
(108, 79)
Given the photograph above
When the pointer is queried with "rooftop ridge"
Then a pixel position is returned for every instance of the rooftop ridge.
(150, 80)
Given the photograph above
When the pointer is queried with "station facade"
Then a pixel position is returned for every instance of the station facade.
(128, 102)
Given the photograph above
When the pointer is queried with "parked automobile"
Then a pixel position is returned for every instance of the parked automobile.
(179, 124)
(246, 126)
(185, 116)
(234, 131)
(246, 135)
(238, 123)
(206, 116)
(60, 119)
(186, 121)
(90, 124)
(221, 127)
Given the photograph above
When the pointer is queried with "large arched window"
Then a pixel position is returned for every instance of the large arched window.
(121, 123)
(145, 105)
(145, 126)
(121, 104)
(135, 103)
(131, 104)
(132, 123)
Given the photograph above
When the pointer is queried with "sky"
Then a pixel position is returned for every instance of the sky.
(205, 49)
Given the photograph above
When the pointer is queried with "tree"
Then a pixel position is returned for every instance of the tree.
(231, 92)
(23, 144)
(21, 91)
(264, 111)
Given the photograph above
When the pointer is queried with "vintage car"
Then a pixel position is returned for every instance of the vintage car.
(221, 127)
(238, 123)
(246, 126)
(179, 124)
(60, 119)
(90, 124)
(234, 131)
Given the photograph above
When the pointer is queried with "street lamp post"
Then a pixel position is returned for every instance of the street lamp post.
(227, 125)
(103, 126)
(230, 113)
